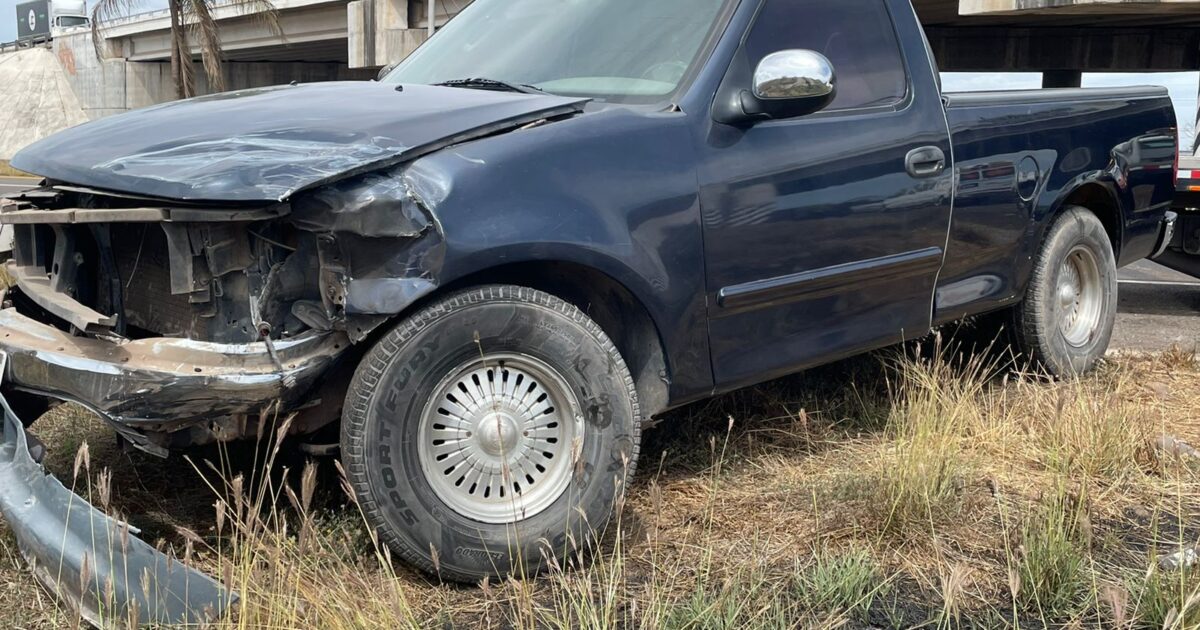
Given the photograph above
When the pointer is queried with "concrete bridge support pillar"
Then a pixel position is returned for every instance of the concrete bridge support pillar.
(379, 32)
(383, 32)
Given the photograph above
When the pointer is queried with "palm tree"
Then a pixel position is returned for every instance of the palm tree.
(191, 20)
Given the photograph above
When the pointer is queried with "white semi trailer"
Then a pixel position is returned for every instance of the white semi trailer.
(37, 20)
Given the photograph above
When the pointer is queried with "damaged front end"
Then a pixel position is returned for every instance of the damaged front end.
(193, 287)
(179, 283)
(179, 324)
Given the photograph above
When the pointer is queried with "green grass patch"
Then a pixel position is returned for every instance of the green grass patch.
(840, 583)
(1052, 560)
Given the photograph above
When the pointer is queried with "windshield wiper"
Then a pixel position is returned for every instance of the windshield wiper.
(481, 83)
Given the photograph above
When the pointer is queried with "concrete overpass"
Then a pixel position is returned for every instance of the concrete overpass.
(1060, 37)
(317, 40)
(310, 30)
(967, 35)
(1063, 37)
(350, 39)
(359, 33)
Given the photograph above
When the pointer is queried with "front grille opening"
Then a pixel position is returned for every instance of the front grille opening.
(232, 281)
(65, 256)
(144, 271)
(136, 280)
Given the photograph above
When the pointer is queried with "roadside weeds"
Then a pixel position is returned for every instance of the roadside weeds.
(914, 487)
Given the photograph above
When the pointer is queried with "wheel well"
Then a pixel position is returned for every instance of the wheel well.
(612, 306)
(1101, 203)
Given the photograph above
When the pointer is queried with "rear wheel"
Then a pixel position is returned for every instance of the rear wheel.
(490, 432)
(1066, 320)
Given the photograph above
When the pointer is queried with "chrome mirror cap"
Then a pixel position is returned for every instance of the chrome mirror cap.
(794, 74)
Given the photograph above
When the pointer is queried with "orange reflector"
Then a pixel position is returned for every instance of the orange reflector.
(1193, 188)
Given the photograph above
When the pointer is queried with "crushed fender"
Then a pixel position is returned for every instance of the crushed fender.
(379, 243)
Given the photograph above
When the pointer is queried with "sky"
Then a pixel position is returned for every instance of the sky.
(1182, 85)
(8, 20)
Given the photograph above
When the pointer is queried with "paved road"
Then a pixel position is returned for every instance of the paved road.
(13, 185)
(1158, 307)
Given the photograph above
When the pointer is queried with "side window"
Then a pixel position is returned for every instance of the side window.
(856, 35)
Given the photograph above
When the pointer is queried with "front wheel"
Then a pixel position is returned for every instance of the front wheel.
(490, 432)
(1066, 321)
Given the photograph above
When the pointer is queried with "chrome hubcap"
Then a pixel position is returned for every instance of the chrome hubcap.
(497, 438)
(1080, 296)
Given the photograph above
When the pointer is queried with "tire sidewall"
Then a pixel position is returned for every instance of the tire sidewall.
(1076, 227)
(410, 509)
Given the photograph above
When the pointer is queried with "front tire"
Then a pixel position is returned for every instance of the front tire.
(1066, 320)
(489, 432)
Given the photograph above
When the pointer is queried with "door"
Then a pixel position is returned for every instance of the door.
(824, 234)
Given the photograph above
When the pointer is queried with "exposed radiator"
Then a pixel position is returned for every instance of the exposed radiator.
(140, 250)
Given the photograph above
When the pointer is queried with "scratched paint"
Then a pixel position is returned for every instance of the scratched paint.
(267, 144)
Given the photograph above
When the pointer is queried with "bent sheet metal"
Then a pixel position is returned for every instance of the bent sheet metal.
(92, 561)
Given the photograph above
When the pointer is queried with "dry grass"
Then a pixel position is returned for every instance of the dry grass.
(893, 490)
(6, 170)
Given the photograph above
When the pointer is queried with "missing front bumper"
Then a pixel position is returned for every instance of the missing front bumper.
(92, 561)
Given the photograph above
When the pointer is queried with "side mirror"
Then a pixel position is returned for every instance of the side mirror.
(790, 83)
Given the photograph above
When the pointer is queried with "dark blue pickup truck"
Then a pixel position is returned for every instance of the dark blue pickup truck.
(552, 222)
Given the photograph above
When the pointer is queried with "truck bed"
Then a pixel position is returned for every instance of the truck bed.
(1011, 175)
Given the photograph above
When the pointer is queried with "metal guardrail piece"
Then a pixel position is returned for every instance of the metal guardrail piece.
(90, 560)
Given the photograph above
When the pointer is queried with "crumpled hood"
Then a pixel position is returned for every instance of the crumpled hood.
(266, 144)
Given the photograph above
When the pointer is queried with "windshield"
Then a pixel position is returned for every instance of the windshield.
(624, 51)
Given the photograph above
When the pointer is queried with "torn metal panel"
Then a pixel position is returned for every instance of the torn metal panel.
(225, 247)
(384, 296)
(379, 205)
(266, 144)
(163, 384)
(92, 561)
(40, 289)
(379, 243)
(184, 279)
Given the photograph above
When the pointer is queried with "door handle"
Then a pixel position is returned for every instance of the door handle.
(925, 162)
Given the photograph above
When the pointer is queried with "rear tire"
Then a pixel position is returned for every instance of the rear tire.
(1066, 321)
(489, 432)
